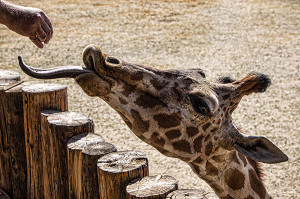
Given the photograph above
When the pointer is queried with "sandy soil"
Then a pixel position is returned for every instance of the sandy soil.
(223, 37)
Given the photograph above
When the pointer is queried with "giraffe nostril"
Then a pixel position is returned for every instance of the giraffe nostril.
(112, 60)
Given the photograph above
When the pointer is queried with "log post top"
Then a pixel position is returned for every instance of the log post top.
(9, 75)
(99, 148)
(152, 186)
(43, 87)
(68, 119)
(80, 141)
(122, 161)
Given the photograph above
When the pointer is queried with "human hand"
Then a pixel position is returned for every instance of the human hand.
(32, 23)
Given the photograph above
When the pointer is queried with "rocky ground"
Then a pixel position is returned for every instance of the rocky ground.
(223, 37)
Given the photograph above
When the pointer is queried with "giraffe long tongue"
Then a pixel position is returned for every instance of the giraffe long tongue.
(53, 73)
(253, 82)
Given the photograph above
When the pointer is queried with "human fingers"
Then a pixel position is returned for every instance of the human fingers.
(47, 20)
(47, 30)
(41, 34)
(37, 42)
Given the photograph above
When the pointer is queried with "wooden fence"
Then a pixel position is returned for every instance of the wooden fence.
(47, 151)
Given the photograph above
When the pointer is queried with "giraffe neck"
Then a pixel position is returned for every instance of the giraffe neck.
(231, 175)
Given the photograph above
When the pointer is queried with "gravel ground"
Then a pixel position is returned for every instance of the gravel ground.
(223, 37)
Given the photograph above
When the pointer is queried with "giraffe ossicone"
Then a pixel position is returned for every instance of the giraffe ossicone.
(182, 115)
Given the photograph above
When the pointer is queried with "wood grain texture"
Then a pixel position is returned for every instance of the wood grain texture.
(57, 128)
(82, 161)
(116, 170)
(188, 194)
(7, 79)
(151, 187)
(13, 106)
(36, 98)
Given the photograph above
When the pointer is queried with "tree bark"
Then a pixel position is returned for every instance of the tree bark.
(57, 129)
(90, 155)
(7, 80)
(151, 187)
(36, 98)
(78, 176)
(116, 170)
(187, 193)
(13, 106)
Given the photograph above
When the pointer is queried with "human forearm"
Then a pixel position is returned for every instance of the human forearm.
(26, 21)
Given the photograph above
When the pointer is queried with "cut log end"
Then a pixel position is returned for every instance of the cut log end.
(68, 119)
(78, 142)
(151, 187)
(188, 194)
(9, 75)
(42, 88)
(99, 149)
(122, 161)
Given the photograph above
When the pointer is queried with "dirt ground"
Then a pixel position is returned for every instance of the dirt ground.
(223, 37)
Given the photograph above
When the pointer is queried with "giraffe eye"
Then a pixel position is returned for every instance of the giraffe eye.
(200, 105)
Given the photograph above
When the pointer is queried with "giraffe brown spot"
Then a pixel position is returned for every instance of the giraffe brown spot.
(225, 97)
(208, 149)
(172, 134)
(129, 124)
(127, 90)
(167, 121)
(205, 126)
(148, 101)
(139, 124)
(217, 188)
(191, 131)
(214, 129)
(224, 109)
(198, 143)
(227, 197)
(211, 170)
(249, 197)
(122, 101)
(158, 85)
(233, 157)
(256, 184)
(198, 160)
(242, 157)
(207, 138)
(182, 145)
(195, 168)
(219, 158)
(234, 178)
(157, 140)
(137, 76)
(177, 92)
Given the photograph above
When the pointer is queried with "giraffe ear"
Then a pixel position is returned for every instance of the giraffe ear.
(260, 149)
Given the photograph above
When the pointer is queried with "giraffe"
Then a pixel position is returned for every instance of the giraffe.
(182, 115)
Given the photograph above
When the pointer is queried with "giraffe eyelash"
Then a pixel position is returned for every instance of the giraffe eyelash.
(200, 105)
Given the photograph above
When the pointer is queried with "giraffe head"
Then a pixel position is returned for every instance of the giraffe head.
(179, 112)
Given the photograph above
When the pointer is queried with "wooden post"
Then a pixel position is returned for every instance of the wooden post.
(151, 187)
(7, 79)
(116, 170)
(187, 194)
(13, 106)
(90, 155)
(36, 98)
(79, 177)
(57, 129)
